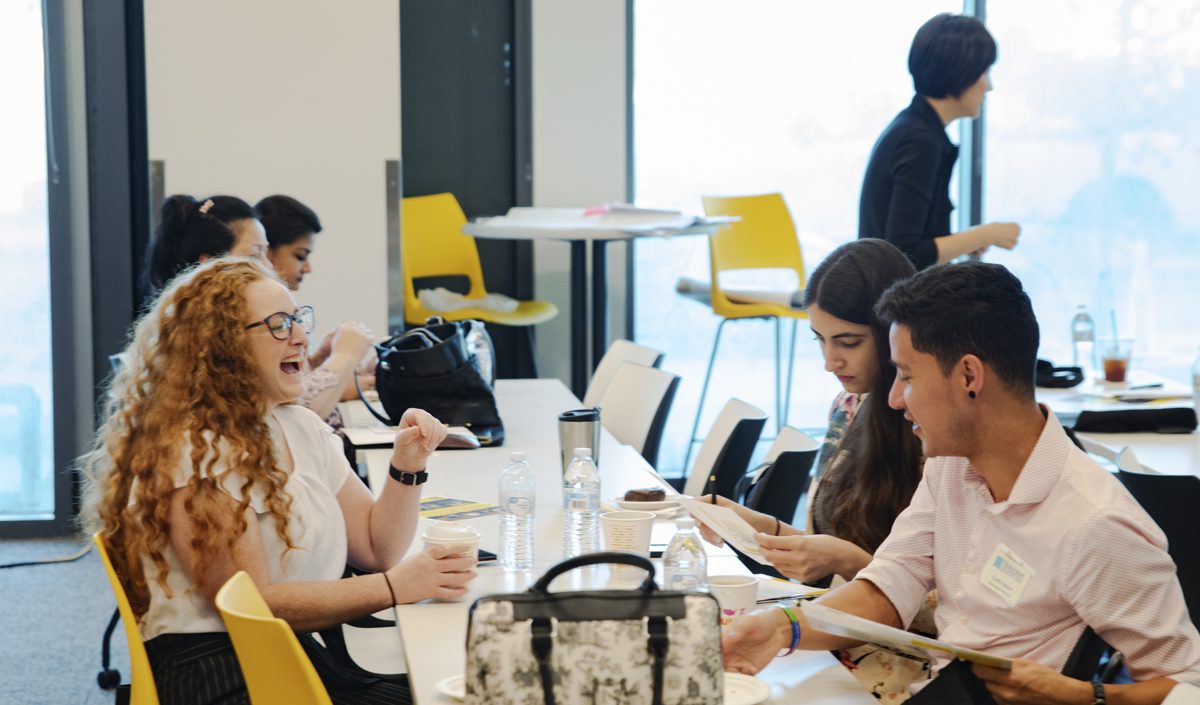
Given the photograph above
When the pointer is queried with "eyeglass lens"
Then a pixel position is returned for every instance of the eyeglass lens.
(280, 324)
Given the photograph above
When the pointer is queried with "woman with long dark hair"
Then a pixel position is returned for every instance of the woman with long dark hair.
(870, 464)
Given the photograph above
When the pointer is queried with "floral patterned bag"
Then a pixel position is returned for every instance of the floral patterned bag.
(618, 647)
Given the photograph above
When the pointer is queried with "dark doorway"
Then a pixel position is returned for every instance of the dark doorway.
(463, 100)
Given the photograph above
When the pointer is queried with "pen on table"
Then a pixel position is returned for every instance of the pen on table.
(1156, 385)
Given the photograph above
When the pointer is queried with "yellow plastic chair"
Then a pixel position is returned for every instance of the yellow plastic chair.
(142, 690)
(433, 246)
(275, 666)
(765, 237)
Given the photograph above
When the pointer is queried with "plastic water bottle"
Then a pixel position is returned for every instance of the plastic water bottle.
(1083, 341)
(685, 565)
(581, 505)
(518, 497)
(1196, 386)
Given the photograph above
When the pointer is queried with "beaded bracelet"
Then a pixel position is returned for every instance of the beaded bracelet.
(795, 629)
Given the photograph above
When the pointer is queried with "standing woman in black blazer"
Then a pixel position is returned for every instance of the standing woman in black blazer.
(906, 190)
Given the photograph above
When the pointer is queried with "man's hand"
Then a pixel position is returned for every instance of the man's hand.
(752, 641)
(1030, 683)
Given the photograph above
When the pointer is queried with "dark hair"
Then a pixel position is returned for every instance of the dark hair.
(880, 459)
(286, 220)
(972, 308)
(949, 53)
(184, 234)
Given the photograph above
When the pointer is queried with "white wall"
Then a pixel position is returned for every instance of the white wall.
(299, 97)
(578, 147)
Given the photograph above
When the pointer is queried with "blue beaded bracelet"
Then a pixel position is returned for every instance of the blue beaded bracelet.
(795, 629)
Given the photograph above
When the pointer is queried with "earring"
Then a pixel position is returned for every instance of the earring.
(971, 394)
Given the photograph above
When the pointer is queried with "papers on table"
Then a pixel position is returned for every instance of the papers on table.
(447, 509)
(611, 216)
(831, 621)
(727, 524)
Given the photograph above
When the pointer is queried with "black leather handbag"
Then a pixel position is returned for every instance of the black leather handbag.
(431, 368)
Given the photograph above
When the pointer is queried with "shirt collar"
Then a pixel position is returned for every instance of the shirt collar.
(921, 107)
(1040, 472)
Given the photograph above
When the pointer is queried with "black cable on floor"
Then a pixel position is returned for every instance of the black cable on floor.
(65, 559)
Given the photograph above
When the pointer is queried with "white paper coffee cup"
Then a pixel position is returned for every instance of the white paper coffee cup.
(628, 532)
(737, 595)
(447, 533)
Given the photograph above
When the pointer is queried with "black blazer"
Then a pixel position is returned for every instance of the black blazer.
(906, 190)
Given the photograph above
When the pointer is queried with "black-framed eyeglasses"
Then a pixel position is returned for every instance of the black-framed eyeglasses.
(280, 324)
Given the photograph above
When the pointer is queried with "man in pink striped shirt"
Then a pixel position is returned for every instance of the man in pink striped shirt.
(1027, 540)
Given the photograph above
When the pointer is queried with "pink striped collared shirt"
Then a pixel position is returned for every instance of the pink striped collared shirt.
(1097, 560)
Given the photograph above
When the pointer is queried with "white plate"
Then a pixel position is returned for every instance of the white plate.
(646, 506)
(456, 687)
(745, 690)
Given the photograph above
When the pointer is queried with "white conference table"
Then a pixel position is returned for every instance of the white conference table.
(1165, 453)
(434, 634)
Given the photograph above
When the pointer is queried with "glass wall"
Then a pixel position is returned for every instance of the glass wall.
(26, 428)
(1093, 145)
(747, 98)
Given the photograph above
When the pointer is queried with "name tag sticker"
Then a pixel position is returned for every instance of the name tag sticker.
(1006, 575)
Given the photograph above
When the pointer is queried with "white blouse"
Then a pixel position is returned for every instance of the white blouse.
(316, 525)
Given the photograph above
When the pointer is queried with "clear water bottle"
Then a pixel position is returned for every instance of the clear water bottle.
(1083, 341)
(1196, 386)
(685, 565)
(581, 505)
(518, 497)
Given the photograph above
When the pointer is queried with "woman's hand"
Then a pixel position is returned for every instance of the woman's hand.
(808, 558)
(318, 357)
(760, 521)
(1004, 235)
(752, 641)
(352, 339)
(437, 572)
(418, 436)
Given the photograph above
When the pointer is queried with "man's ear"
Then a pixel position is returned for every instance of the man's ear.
(971, 377)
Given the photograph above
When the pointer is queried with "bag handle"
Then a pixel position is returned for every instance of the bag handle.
(542, 586)
(386, 421)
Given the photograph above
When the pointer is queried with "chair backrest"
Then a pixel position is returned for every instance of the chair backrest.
(274, 664)
(1084, 660)
(729, 444)
(635, 406)
(432, 245)
(765, 237)
(142, 690)
(1170, 501)
(778, 491)
(620, 352)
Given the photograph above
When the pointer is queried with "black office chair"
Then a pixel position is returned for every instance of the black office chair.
(1170, 500)
(778, 489)
(725, 454)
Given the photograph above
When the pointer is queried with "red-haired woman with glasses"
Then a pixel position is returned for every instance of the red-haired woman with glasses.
(204, 466)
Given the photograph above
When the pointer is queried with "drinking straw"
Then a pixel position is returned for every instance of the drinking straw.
(1113, 315)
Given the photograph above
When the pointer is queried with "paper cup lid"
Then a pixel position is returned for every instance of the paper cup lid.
(450, 530)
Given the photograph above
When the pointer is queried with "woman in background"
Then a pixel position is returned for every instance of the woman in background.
(191, 232)
(906, 190)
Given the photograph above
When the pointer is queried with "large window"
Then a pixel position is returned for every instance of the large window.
(746, 98)
(1093, 145)
(26, 428)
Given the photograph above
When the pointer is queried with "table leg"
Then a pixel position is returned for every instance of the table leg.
(599, 300)
(579, 351)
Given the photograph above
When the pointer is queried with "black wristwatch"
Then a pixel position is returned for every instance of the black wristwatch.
(408, 478)
(1098, 693)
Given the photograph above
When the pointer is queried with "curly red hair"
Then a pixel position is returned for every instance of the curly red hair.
(189, 375)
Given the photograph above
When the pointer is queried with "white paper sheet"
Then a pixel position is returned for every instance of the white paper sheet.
(727, 524)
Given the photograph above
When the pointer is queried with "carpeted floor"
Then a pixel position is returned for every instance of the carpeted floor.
(51, 624)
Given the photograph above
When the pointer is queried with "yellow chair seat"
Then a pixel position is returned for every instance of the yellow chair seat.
(527, 313)
(433, 245)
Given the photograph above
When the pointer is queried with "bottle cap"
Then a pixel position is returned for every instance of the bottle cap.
(685, 523)
(583, 451)
(517, 455)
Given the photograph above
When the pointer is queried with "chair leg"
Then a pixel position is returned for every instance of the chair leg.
(703, 392)
(778, 381)
(533, 363)
(787, 394)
